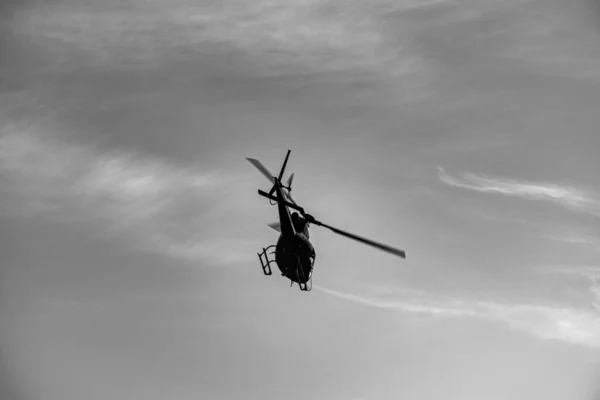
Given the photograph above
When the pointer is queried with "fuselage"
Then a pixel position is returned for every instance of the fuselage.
(294, 253)
(295, 257)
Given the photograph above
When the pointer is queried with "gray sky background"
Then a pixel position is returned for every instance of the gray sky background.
(464, 132)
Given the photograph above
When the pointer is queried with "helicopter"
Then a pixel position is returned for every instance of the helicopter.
(294, 254)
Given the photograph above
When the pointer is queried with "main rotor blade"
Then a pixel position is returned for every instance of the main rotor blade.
(377, 245)
(259, 166)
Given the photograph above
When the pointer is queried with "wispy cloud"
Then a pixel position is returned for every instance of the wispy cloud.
(569, 197)
(554, 39)
(584, 271)
(590, 273)
(296, 36)
(563, 324)
(157, 205)
(575, 238)
(595, 292)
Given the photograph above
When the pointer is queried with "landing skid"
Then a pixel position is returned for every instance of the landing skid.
(265, 262)
(306, 286)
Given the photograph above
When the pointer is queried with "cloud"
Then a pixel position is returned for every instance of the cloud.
(595, 293)
(554, 38)
(587, 272)
(156, 205)
(584, 271)
(571, 198)
(576, 239)
(290, 37)
(544, 322)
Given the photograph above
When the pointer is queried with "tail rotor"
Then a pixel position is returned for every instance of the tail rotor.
(289, 181)
(288, 189)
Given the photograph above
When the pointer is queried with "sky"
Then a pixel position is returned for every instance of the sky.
(462, 131)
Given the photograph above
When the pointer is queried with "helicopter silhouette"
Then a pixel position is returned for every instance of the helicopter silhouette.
(294, 253)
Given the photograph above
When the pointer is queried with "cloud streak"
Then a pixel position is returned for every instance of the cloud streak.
(158, 206)
(560, 45)
(544, 322)
(296, 36)
(590, 241)
(595, 293)
(585, 271)
(569, 197)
